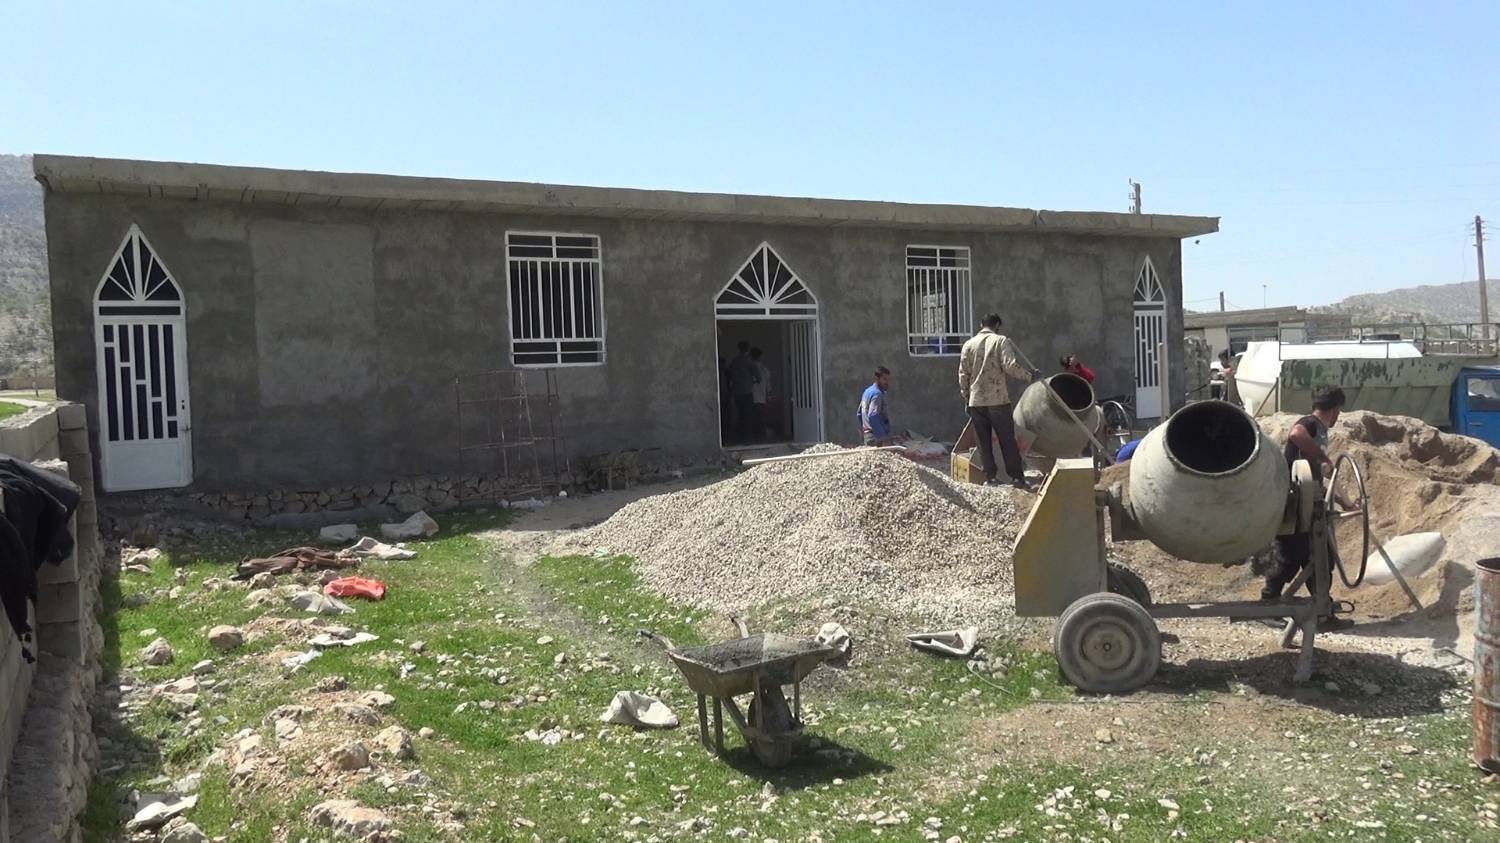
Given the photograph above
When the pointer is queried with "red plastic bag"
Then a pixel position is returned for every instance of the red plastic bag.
(355, 587)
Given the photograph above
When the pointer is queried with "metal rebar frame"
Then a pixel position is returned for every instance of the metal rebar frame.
(498, 435)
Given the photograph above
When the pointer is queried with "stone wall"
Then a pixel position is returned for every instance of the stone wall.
(47, 747)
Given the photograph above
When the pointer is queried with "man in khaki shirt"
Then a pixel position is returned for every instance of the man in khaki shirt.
(986, 359)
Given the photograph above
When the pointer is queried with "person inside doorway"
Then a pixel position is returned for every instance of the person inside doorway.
(983, 364)
(1308, 440)
(1072, 365)
(742, 375)
(874, 410)
(1218, 379)
(759, 392)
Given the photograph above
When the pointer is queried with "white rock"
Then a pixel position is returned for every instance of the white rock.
(225, 638)
(396, 741)
(418, 525)
(157, 653)
(353, 755)
(153, 810)
(425, 733)
(377, 699)
(184, 832)
(339, 533)
(361, 714)
(348, 818)
(203, 668)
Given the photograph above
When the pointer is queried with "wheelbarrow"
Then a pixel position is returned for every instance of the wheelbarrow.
(752, 664)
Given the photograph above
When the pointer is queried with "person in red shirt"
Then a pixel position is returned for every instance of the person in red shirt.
(1071, 363)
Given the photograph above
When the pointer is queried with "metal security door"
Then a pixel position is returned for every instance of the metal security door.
(140, 334)
(804, 385)
(1150, 333)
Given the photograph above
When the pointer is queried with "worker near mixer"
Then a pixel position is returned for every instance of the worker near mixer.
(1308, 440)
(986, 359)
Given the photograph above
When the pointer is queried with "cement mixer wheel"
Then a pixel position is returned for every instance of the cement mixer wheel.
(1128, 583)
(1107, 644)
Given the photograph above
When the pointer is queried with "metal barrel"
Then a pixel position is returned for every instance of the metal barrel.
(1487, 664)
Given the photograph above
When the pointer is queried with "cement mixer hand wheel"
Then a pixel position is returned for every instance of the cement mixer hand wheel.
(1107, 644)
(1362, 500)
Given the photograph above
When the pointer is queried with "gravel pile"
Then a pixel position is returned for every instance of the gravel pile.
(868, 527)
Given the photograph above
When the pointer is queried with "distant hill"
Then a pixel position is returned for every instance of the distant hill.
(25, 310)
(1430, 303)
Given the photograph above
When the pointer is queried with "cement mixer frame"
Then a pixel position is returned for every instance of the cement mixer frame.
(1106, 639)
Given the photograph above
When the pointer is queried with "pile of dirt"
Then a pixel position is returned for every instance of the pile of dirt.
(869, 526)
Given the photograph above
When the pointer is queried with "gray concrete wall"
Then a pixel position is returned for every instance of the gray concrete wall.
(323, 342)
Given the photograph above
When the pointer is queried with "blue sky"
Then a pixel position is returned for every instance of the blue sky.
(1347, 146)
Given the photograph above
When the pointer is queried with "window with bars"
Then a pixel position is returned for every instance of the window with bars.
(556, 299)
(939, 299)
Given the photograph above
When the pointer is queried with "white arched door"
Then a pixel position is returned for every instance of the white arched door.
(766, 290)
(1150, 334)
(141, 336)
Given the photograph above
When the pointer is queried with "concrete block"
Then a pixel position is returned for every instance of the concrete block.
(64, 640)
(73, 440)
(65, 571)
(52, 465)
(58, 603)
(72, 417)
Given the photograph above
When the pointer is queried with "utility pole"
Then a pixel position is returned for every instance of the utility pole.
(1221, 301)
(1262, 297)
(1484, 294)
(1135, 196)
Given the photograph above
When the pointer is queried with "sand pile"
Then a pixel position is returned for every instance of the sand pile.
(867, 527)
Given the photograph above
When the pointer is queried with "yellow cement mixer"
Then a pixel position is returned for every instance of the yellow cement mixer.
(1207, 486)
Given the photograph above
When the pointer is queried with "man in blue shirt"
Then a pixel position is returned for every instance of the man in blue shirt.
(874, 412)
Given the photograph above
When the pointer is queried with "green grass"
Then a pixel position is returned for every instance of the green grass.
(893, 733)
(7, 409)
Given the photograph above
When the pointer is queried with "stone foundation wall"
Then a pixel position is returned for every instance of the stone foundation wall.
(405, 496)
(47, 746)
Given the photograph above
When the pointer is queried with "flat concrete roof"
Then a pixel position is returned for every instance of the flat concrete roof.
(213, 182)
(1257, 316)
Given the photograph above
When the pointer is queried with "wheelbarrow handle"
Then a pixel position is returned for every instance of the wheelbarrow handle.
(739, 622)
(657, 637)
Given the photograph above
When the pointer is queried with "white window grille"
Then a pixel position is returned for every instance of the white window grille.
(939, 299)
(555, 297)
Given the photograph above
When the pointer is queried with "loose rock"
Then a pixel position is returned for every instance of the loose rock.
(347, 818)
(225, 638)
(157, 653)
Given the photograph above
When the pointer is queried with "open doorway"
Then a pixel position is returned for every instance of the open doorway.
(775, 396)
(780, 409)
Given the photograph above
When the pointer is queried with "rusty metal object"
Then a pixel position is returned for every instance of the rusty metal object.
(1487, 664)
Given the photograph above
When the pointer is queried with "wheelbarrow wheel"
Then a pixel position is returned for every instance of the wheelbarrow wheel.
(771, 704)
(1107, 644)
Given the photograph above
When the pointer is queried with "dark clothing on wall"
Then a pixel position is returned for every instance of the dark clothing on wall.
(999, 422)
(34, 530)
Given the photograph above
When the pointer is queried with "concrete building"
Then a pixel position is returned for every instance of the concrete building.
(235, 328)
(1235, 329)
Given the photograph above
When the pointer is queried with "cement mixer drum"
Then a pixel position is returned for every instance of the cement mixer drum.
(1058, 425)
(1208, 486)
